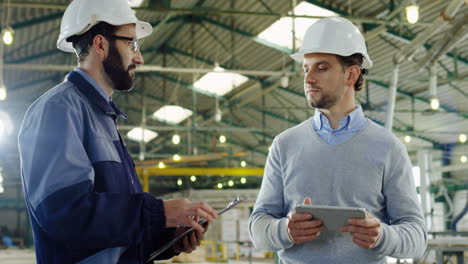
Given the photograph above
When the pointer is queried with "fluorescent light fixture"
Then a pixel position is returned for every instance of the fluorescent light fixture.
(463, 159)
(172, 114)
(280, 32)
(161, 165)
(176, 157)
(8, 36)
(407, 139)
(6, 126)
(1, 189)
(222, 139)
(1, 179)
(435, 103)
(230, 183)
(135, 3)
(243, 180)
(243, 163)
(416, 176)
(179, 182)
(193, 178)
(2, 127)
(412, 13)
(218, 68)
(138, 134)
(219, 83)
(462, 138)
(176, 139)
(220, 185)
(3, 92)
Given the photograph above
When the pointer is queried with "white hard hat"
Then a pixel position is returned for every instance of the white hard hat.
(335, 35)
(81, 15)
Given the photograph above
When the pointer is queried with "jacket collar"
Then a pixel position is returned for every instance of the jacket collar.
(93, 95)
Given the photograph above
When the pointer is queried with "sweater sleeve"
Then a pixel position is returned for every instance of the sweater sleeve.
(406, 235)
(268, 222)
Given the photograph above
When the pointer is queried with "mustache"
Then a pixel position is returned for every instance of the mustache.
(310, 87)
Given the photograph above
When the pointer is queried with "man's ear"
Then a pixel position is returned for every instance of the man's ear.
(352, 75)
(100, 46)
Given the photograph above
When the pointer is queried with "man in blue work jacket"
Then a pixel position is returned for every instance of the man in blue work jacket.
(84, 198)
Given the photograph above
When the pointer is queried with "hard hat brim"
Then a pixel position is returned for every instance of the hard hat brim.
(143, 29)
(299, 57)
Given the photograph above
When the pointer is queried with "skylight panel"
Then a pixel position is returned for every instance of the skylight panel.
(219, 82)
(138, 134)
(172, 114)
(280, 32)
(135, 3)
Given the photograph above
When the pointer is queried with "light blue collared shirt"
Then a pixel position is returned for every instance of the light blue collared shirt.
(349, 126)
(93, 83)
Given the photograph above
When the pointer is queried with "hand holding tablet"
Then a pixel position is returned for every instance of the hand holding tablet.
(365, 229)
(301, 227)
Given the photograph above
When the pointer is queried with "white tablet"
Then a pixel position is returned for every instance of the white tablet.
(333, 217)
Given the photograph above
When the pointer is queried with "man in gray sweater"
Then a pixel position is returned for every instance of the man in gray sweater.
(337, 158)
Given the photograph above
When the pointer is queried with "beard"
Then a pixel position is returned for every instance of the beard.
(113, 66)
(326, 101)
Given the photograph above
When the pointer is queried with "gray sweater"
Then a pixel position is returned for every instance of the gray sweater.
(371, 170)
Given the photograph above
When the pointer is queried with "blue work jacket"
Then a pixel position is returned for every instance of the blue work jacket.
(84, 199)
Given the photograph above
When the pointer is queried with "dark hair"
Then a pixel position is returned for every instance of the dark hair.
(355, 59)
(81, 43)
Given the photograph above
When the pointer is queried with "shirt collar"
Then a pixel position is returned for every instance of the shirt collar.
(93, 83)
(353, 120)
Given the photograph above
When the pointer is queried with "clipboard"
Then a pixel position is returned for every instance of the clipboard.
(188, 231)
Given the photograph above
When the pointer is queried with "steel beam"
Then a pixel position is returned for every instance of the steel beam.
(155, 171)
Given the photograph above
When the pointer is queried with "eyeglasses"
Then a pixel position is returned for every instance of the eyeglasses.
(134, 44)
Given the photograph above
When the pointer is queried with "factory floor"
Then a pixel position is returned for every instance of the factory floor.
(26, 256)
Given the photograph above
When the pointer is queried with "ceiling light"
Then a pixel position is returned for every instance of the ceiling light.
(7, 35)
(243, 180)
(139, 134)
(3, 92)
(231, 183)
(407, 139)
(176, 157)
(243, 163)
(179, 182)
(2, 127)
(220, 185)
(1, 179)
(1, 189)
(284, 81)
(217, 68)
(412, 13)
(176, 139)
(218, 116)
(222, 139)
(435, 103)
(463, 159)
(6, 126)
(193, 178)
(462, 138)
(161, 165)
